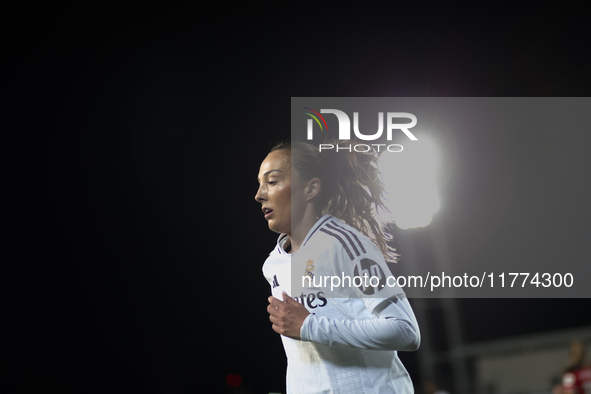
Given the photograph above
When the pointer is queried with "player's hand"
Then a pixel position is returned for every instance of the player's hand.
(287, 316)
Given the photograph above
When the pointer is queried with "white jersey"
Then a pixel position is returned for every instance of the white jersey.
(334, 249)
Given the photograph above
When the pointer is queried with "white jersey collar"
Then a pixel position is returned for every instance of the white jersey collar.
(283, 238)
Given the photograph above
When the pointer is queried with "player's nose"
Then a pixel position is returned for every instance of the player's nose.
(259, 196)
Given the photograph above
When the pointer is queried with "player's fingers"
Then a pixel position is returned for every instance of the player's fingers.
(271, 310)
(287, 298)
(277, 321)
(276, 311)
(275, 303)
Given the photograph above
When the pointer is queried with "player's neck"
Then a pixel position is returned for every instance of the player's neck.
(301, 229)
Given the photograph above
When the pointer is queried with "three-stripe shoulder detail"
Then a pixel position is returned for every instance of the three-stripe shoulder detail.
(316, 229)
(347, 238)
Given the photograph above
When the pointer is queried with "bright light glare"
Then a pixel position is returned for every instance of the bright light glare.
(409, 179)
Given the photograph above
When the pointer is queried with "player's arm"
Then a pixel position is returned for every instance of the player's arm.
(393, 328)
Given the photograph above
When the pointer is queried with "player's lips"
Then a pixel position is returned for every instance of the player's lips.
(267, 212)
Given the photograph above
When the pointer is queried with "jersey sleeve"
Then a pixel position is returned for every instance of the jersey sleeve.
(393, 328)
(359, 259)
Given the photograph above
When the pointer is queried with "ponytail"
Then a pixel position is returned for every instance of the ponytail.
(351, 188)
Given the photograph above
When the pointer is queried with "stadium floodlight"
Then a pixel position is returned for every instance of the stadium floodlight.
(410, 181)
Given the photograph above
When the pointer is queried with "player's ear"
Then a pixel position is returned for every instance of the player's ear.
(312, 188)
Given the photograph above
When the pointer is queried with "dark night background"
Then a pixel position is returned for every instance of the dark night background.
(135, 134)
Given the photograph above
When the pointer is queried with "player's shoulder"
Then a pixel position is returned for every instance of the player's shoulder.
(339, 235)
(278, 251)
(585, 373)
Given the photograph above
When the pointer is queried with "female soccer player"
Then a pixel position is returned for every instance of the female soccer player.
(338, 339)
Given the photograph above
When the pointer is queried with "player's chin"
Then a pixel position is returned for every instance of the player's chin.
(276, 227)
(271, 225)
